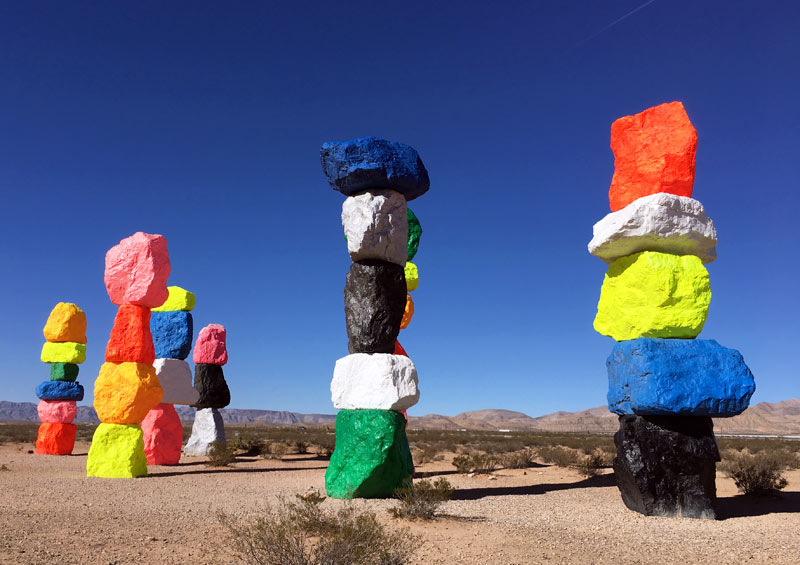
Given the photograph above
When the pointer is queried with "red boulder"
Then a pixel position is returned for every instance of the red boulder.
(163, 435)
(131, 340)
(55, 438)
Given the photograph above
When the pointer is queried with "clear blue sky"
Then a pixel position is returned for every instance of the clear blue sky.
(202, 121)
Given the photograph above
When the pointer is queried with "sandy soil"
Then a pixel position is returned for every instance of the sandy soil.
(50, 512)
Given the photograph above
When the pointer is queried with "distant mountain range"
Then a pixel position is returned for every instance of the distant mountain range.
(765, 418)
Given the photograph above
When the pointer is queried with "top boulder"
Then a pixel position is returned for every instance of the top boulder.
(654, 151)
(210, 346)
(137, 270)
(369, 162)
(66, 322)
(180, 300)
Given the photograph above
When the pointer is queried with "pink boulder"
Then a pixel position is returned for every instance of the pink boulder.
(137, 270)
(210, 346)
(57, 411)
(163, 435)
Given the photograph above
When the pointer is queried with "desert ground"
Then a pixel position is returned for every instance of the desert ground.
(50, 512)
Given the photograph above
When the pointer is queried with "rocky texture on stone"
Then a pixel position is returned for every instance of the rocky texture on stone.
(172, 334)
(117, 452)
(63, 352)
(66, 322)
(211, 387)
(130, 340)
(374, 301)
(375, 226)
(206, 430)
(408, 313)
(371, 458)
(175, 377)
(412, 276)
(55, 438)
(682, 377)
(210, 346)
(414, 233)
(375, 381)
(654, 151)
(137, 269)
(659, 222)
(163, 435)
(63, 372)
(179, 299)
(369, 162)
(652, 294)
(125, 392)
(60, 390)
(666, 465)
(57, 411)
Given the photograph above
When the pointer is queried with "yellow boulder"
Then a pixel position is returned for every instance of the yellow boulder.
(66, 322)
(408, 314)
(179, 299)
(65, 352)
(125, 392)
(117, 452)
(412, 276)
(652, 294)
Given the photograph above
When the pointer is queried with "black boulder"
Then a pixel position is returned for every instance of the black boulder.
(374, 302)
(209, 381)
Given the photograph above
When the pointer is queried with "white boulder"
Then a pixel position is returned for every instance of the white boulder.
(378, 381)
(175, 377)
(376, 226)
(658, 222)
(207, 429)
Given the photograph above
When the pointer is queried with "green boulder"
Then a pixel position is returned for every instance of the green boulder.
(63, 372)
(371, 458)
(117, 452)
(414, 233)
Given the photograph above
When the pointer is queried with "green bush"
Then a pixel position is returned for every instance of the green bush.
(420, 500)
(220, 455)
(756, 473)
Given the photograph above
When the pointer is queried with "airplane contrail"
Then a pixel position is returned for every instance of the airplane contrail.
(612, 24)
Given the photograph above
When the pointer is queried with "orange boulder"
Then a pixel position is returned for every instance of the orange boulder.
(131, 340)
(408, 313)
(55, 438)
(654, 151)
(66, 322)
(124, 393)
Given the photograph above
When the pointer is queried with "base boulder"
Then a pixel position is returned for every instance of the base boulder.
(208, 428)
(117, 452)
(163, 435)
(55, 438)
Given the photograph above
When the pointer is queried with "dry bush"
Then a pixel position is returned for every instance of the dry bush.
(302, 533)
(277, 450)
(420, 500)
(220, 455)
(558, 455)
(756, 473)
(426, 453)
(517, 459)
(325, 447)
(590, 464)
(301, 446)
(475, 463)
(250, 447)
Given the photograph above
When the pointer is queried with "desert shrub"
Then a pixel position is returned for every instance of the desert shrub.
(324, 447)
(250, 447)
(301, 446)
(420, 500)
(277, 450)
(755, 473)
(303, 533)
(220, 455)
(558, 455)
(590, 464)
(517, 459)
(475, 463)
(426, 453)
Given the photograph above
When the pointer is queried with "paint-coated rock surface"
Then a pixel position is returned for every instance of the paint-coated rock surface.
(398, 349)
(659, 222)
(55, 438)
(375, 226)
(371, 458)
(65, 352)
(654, 151)
(130, 340)
(57, 411)
(374, 301)
(652, 294)
(163, 435)
(207, 429)
(369, 162)
(175, 377)
(666, 465)
(412, 276)
(209, 382)
(137, 269)
(63, 372)
(414, 233)
(179, 299)
(124, 393)
(408, 313)
(378, 381)
(210, 346)
(681, 377)
(66, 322)
(117, 452)
(172, 334)
(60, 390)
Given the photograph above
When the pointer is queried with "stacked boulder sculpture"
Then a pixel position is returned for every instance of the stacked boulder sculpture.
(172, 330)
(210, 354)
(127, 388)
(376, 382)
(664, 384)
(64, 350)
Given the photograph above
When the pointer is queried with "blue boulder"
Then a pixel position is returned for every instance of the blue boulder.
(60, 390)
(172, 334)
(683, 377)
(369, 162)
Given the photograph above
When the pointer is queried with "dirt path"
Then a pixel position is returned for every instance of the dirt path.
(50, 512)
